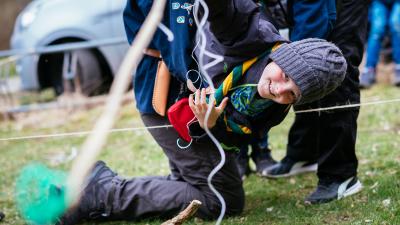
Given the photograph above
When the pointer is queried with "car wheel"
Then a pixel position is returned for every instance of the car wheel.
(90, 75)
(91, 71)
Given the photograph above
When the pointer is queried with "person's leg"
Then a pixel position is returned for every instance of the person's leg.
(338, 163)
(195, 165)
(379, 21)
(337, 155)
(337, 171)
(261, 154)
(302, 149)
(303, 138)
(394, 25)
(111, 197)
(242, 161)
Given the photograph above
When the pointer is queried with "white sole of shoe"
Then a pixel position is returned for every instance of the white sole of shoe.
(296, 169)
(357, 187)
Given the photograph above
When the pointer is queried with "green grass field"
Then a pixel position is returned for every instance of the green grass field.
(267, 201)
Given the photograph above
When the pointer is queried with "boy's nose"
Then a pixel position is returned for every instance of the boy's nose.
(282, 88)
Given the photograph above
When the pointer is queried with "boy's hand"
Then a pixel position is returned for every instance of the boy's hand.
(199, 106)
(193, 89)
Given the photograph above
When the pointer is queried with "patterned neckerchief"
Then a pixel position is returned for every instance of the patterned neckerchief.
(244, 96)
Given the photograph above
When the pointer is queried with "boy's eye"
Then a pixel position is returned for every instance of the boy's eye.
(293, 95)
(286, 77)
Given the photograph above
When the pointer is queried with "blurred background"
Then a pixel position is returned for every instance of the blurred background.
(9, 12)
(52, 50)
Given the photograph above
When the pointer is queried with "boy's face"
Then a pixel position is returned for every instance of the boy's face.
(274, 84)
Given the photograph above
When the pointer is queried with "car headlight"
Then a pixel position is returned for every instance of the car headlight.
(28, 16)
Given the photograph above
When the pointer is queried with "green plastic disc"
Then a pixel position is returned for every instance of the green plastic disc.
(40, 194)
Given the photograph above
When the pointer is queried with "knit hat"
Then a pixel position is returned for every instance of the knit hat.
(316, 66)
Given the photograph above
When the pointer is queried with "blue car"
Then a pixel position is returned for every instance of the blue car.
(52, 22)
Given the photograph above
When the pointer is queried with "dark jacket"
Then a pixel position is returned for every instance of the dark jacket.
(238, 31)
(345, 33)
(311, 18)
(176, 54)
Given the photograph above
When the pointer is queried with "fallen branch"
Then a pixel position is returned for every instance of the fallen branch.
(185, 214)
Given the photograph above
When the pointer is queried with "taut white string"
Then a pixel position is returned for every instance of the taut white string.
(79, 133)
(347, 106)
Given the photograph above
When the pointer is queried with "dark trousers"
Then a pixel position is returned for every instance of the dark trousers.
(165, 197)
(330, 137)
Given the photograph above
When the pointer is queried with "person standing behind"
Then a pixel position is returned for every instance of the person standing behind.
(328, 137)
(383, 13)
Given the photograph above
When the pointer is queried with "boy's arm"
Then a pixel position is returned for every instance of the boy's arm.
(312, 18)
(234, 22)
(230, 19)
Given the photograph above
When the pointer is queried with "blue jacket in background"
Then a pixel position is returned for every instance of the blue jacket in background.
(311, 18)
(178, 17)
(388, 2)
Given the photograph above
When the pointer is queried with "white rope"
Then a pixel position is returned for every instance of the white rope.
(203, 68)
(80, 133)
(347, 106)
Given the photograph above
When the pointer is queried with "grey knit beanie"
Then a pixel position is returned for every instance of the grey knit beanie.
(315, 65)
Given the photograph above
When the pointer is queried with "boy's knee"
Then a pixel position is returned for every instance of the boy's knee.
(234, 201)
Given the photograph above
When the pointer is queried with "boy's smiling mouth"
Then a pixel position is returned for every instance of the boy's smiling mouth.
(269, 88)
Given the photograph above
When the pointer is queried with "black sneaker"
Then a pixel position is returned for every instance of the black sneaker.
(92, 204)
(263, 161)
(243, 166)
(288, 167)
(329, 190)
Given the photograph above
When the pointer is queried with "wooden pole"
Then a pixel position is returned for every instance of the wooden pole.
(96, 140)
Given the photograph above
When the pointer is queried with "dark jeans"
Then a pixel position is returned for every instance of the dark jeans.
(259, 149)
(145, 197)
(330, 137)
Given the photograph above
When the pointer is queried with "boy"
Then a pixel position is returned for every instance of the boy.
(295, 73)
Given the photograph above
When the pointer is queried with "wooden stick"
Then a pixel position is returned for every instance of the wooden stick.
(96, 140)
(185, 214)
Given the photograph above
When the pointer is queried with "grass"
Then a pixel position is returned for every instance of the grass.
(32, 97)
(267, 201)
